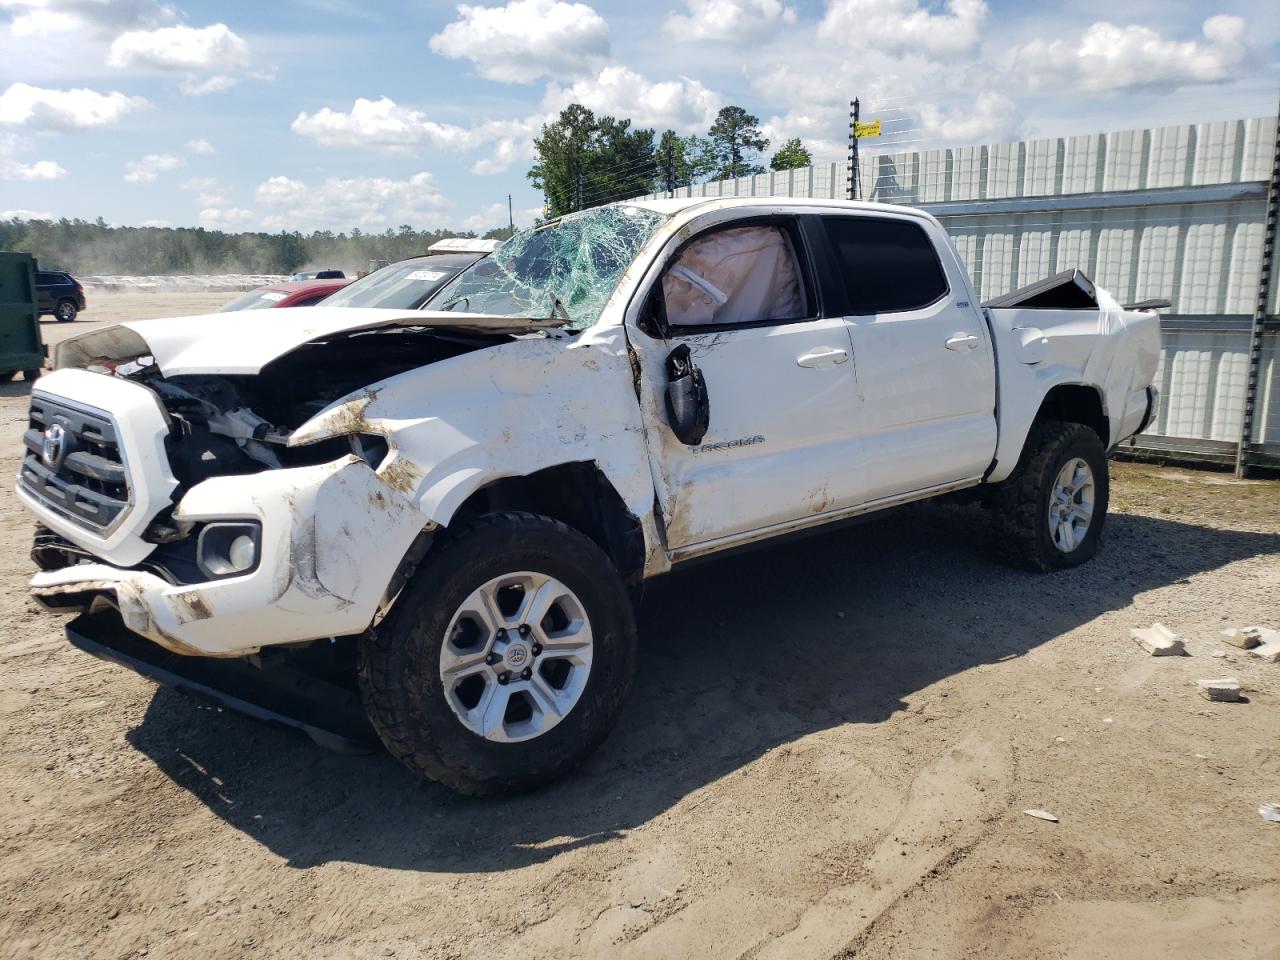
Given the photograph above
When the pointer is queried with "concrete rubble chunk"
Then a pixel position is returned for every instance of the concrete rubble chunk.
(1224, 690)
(1269, 652)
(1158, 640)
(1244, 639)
(1264, 634)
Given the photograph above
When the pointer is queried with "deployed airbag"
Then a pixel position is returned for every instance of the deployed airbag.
(741, 275)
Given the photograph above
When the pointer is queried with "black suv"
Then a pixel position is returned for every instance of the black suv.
(59, 294)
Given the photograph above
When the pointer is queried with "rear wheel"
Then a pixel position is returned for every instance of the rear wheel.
(1050, 512)
(505, 660)
(65, 311)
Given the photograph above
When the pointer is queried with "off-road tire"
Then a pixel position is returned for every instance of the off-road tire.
(399, 660)
(1021, 504)
(66, 311)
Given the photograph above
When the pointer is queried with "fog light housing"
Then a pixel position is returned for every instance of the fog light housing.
(229, 549)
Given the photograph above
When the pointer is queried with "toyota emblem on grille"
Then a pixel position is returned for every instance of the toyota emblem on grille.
(53, 449)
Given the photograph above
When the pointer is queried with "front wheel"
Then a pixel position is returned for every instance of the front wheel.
(1049, 514)
(65, 311)
(505, 660)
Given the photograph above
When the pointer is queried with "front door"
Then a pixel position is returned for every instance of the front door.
(782, 440)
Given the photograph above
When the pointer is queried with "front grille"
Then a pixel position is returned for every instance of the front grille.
(87, 480)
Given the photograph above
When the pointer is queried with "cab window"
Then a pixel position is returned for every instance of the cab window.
(736, 276)
(886, 265)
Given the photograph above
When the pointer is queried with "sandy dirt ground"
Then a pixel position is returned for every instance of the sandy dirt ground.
(827, 753)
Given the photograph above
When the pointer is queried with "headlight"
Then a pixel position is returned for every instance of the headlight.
(228, 549)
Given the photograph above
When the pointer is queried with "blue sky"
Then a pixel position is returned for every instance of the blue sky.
(333, 113)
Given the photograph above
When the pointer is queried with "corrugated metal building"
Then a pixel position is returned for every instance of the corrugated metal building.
(1173, 212)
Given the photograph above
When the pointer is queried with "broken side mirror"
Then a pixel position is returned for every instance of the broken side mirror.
(688, 406)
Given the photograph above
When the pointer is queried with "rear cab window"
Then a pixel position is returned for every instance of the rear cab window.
(886, 266)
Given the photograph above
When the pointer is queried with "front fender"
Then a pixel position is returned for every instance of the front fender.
(513, 409)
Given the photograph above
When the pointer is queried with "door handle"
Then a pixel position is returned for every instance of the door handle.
(962, 341)
(822, 357)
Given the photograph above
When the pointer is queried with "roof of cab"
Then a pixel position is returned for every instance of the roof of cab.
(674, 205)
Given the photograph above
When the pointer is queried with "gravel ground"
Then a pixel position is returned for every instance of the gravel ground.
(827, 753)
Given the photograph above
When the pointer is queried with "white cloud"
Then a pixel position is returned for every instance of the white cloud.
(42, 23)
(149, 168)
(366, 202)
(25, 215)
(526, 39)
(156, 223)
(207, 190)
(194, 86)
(44, 18)
(381, 123)
(503, 143)
(900, 26)
(201, 148)
(733, 21)
(14, 168)
(44, 109)
(224, 219)
(40, 170)
(1108, 58)
(684, 105)
(493, 215)
(215, 48)
(991, 117)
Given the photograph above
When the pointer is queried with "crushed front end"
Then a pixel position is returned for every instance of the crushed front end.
(175, 516)
(176, 503)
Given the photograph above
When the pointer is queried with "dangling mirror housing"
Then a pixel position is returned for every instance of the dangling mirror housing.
(688, 406)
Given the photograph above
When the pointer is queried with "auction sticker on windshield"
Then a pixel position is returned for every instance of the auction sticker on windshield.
(429, 275)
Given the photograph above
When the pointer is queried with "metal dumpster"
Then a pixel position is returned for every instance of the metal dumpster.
(21, 348)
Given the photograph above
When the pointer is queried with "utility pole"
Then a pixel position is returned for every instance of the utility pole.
(854, 108)
(1260, 313)
(511, 219)
(671, 169)
(577, 192)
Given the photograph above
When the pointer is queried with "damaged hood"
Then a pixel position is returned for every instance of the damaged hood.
(244, 342)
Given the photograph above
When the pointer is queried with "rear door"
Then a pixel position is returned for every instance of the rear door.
(44, 290)
(926, 373)
(782, 441)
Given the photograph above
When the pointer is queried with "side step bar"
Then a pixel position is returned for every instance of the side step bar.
(276, 693)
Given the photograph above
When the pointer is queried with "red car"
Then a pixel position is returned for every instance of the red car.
(290, 293)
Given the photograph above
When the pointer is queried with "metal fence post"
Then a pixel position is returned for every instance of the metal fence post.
(1259, 313)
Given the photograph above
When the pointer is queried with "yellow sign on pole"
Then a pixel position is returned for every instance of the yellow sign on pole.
(868, 129)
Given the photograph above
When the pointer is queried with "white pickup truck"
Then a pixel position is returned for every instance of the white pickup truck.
(432, 524)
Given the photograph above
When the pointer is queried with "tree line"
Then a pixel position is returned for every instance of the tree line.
(86, 248)
(584, 160)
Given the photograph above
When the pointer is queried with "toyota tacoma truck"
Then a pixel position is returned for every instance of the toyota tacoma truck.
(433, 524)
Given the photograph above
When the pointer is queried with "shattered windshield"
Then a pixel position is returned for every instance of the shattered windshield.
(565, 268)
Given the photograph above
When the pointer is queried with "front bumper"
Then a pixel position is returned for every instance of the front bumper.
(276, 693)
(332, 538)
